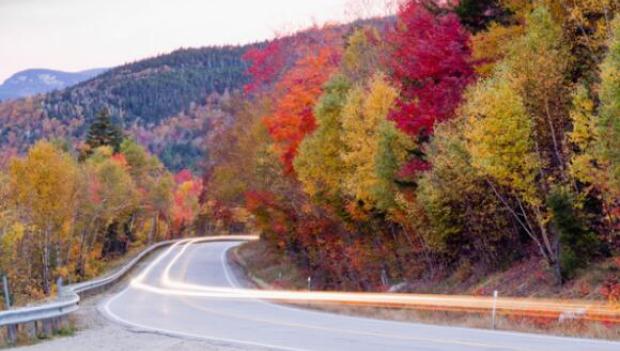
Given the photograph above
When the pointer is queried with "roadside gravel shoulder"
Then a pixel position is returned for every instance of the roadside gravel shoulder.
(94, 332)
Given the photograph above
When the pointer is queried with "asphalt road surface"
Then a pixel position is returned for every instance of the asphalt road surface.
(184, 293)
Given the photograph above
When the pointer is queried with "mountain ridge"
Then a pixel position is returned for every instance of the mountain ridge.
(169, 103)
(34, 81)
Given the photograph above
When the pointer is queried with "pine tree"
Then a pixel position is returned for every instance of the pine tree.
(477, 15)
(103, 132)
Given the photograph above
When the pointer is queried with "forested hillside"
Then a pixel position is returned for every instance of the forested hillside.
(169, 103)
(93, 171)
(147, 91)
(457, 142)
(142, 96)
(446, 145)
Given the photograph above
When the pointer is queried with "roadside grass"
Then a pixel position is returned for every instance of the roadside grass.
(268, 270)
(67, 330)
(30, 335)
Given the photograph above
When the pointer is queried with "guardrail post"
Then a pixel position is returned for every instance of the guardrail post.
(30, 329)
(11, 334)
(494, 312)
(44, 328)
(11, 330)
(5, 287)
(57, 324)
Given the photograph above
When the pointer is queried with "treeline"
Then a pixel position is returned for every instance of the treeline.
(169, 104)
(66, 211)
(468, 135)
(152, 99)
(148, 91)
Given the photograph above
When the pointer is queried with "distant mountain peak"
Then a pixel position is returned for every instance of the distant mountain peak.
(39, 81)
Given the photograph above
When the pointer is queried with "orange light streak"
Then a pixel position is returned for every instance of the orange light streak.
(508, 306)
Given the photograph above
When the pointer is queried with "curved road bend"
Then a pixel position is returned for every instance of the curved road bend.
(151, 307)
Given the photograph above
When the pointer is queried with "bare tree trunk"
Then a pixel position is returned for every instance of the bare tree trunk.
(425, 250)
(552, 246)
(524, 223)
(542, 239)
(557, 148)
(58, 246)
(46, 286)
(80, 258)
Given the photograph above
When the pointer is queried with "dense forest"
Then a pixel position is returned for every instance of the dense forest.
(455, 141)
(65, 213)
(93, 171)
(447, 143)
(147, 91)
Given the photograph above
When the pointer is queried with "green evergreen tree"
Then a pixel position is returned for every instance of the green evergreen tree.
(476, 15)
(578, 245)
(103, 132)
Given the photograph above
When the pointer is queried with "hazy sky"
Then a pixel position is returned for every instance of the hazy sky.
(73, 35)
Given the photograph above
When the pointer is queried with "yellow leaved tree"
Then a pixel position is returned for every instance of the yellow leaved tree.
(44, 184)
(363, 115)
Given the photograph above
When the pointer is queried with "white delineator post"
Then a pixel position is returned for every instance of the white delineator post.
(309, 283)
(494, 311)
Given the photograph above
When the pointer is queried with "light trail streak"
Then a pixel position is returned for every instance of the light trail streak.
(545, 308)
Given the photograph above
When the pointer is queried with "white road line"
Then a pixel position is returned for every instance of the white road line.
(107, 311)
(169, 332)
(204, 291)
(295, 325)
(225, 266)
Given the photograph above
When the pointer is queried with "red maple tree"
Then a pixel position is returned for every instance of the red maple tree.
(264, 64)
(299, 89)
(431, 62)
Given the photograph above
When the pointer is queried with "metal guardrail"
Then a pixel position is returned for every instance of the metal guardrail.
(69, 296)
(69, 299)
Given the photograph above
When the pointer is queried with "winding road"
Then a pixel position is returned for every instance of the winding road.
(190, 291)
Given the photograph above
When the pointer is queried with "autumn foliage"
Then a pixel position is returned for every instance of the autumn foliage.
(293, 117)
(412, 149)
(70, 213)
(265, 64)
(431, 63)
(439, 146)
(186, 205)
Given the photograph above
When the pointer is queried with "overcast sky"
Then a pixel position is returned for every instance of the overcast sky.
(74, 35)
